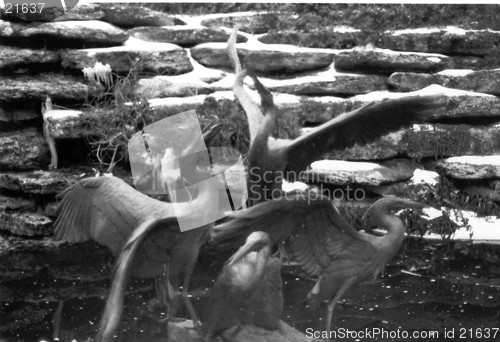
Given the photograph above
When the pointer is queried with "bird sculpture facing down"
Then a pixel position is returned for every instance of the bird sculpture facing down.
(274, 159)
(322, 242)
(247, 292)
(143, 232)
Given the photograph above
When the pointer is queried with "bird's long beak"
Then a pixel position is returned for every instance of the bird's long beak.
(249, 246)
(266, 96)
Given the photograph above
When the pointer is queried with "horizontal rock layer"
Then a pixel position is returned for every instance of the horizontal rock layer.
(58, 88)
(484, 81)
(264, 59)
(23, 150)
(158, 58)
(183, 35)
(472, 167)
(57, 34)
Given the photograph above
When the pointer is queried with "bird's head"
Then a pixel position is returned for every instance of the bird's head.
(386, 207)
(254, 243)
(266, 98)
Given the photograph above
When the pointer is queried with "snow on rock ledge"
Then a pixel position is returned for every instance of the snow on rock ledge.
(478, 229)
(472, 167)
(341, 172)
(449, 40)
(159, 58)
(371, 59)
(57, 34)
(265, 58)
(483, 81)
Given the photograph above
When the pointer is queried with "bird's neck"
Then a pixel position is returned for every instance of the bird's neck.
(261, 161)
(252, 110)
(395, 234)
(257, 262)
(268, 124)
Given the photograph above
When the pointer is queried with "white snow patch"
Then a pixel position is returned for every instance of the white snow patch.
(447, 30)
(433, 89)
(345, 29)
(139, 44)
(456, 72)
(196, 20)
(341, 165)
(177, 101)
(60, 114)
(476, 160)
(423, 127)
(423, 30)
(300, 186)
(285, 100)
(425, 177)
(433, 57)
(431, 213)
(478, 229)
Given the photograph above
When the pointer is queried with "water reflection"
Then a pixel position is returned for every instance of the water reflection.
(461, 295)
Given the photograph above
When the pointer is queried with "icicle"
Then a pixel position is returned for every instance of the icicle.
(99, 73)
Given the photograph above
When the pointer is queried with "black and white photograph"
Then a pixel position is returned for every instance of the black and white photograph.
(249, 171)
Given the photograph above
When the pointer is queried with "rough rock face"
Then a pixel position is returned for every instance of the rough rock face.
(183, 35)
(56, 34)
(63, 89)
(22, 150)
(158, 58)
(26, 224)
(449, 40)
(319, 109)
(14, 60)
(14, 113)
(87, 11)
(361, 173)
(337, 37)
(327, 84)
(37, 182)
(125, 15)
(254, 23)
(170, 86)
(472, 167)
(68, 123)
(264, 59)
(459, 103)
(387, 61)
(484, 81)
(423, 141)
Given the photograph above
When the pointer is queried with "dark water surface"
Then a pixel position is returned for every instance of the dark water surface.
(421, 291)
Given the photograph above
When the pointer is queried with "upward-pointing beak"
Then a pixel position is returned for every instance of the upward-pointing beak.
(248, 247)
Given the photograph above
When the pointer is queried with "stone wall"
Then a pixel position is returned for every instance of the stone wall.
(180, 63)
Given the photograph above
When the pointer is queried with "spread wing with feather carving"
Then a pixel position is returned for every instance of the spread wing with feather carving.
(360, 127)
(105, 209)
(312, 229)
